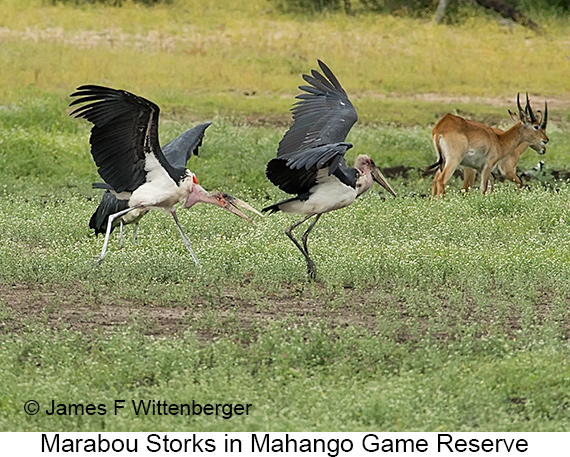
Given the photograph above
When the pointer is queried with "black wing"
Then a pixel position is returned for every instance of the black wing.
(296, 172)
(177, 152)
(125, 128)
(109, 205)
(323, 114)
(180, 149)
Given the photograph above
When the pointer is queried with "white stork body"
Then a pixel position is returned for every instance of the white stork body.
(160, 191)
(177, 152)
(327, 195)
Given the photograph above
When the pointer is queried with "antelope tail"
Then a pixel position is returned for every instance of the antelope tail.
(440, 161)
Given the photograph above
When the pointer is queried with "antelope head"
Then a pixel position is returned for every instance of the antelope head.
(534, 125)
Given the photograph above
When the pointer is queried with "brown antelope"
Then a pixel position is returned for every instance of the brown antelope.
(459, 141)
(507, 167)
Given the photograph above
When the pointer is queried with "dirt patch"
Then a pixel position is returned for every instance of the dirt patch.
(539, 175)
(25, 307)
(78, 310)
(555, 102)
(283, 120)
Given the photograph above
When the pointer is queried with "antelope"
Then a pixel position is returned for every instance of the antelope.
(507, 167)
(478, 147)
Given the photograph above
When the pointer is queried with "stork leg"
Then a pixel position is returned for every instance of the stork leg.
(184, 239)
(121, 234)
(112, 217)
(136, 235)
(304, 238)
(310, 263)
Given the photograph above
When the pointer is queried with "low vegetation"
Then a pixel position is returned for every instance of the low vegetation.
(424, 316)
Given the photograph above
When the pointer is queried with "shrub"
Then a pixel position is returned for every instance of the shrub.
(312, 6)
(107, 2)
(411, 7)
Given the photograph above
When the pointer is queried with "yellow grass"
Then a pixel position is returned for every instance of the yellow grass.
(224, 51)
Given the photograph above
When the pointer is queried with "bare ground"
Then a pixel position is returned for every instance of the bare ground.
(77, 310)
(24, 307)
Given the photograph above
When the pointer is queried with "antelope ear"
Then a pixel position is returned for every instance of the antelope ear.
(515, 116)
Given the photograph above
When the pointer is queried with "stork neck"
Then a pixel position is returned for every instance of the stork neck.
(363, 182)
(198, 194)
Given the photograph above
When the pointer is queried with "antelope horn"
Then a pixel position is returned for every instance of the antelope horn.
(529, 109)
(522, 114)
(544, 116)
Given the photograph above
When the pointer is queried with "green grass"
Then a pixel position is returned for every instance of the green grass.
(42, 147)
(469, 321)
(296, 379)
(424, 316)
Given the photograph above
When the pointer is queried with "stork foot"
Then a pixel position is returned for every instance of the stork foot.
(311, 271)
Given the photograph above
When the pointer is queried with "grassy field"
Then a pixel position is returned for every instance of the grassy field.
(424, 316)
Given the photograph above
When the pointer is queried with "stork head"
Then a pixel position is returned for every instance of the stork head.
(225, 201)
(368, 171)
(231, 204)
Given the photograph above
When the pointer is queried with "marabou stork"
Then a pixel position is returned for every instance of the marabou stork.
(177, 153)
(310, 159)
(125, 148)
